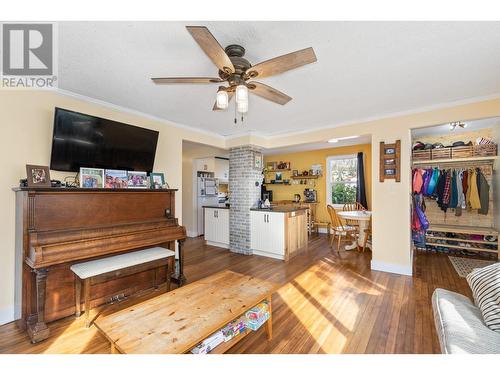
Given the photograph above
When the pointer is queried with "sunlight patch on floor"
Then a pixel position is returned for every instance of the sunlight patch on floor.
(313, 308)
(73, 340)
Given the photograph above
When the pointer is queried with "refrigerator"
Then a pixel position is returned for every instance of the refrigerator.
(207, 190)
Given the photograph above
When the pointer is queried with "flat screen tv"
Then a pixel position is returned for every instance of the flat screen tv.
(81, 140)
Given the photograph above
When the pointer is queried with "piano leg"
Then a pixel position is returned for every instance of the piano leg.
(178, 276)
(37, 329)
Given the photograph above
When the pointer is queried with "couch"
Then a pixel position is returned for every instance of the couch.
(460, 326)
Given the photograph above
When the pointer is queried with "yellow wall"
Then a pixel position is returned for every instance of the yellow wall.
(26, 119)
(303, 161)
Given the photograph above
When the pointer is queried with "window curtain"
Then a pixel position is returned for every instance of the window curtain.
(360, 188)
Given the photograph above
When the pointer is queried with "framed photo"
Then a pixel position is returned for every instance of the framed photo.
(389, 172)
(91, 178)
(390, 162)
(138, 180)
(271, 165)
(295, 173)
(115, 179)
(390, 151)
(257, 160)
(279, 176)
(38, 176)
(156, 180)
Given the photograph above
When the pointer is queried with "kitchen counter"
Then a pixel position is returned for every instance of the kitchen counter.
(217, 206)
(282, 209)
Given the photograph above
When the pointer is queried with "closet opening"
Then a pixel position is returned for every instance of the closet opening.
(455, 192)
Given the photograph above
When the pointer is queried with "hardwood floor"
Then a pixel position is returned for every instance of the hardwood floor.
(327, 304)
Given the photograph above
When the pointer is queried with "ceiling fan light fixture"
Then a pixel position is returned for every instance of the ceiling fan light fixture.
(222, 99)
(242, 106)
(242, 94)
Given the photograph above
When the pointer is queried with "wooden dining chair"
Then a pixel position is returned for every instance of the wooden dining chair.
(354, 206)
(368, 233)
(343, 233)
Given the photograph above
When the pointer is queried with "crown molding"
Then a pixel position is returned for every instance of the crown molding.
(268, 137)
(387, 116)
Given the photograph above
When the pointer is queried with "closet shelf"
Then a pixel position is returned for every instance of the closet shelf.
(456, 160)
(462, 240)
(460, 247)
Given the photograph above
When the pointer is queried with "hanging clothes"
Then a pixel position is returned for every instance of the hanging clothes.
(427, 179)
(469, 189)
(465, 177)
(433, 182)
(460, 193)
(475, 202)
(439, 193)
(446, 191)
(453, 190)
(484, 193)
(417, 181)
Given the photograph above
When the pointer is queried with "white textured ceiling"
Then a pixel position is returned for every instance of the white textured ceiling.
(364, 69)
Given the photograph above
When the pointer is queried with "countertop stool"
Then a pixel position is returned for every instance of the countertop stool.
(101, 270)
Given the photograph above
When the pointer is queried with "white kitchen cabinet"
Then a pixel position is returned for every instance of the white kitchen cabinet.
(280, 235)
(205, 165)
(267, 236)
(222, 169)
(217, 227)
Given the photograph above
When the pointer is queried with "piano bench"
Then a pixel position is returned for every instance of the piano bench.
(101, 270)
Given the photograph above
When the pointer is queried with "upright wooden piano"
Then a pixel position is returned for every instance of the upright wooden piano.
(57, 227)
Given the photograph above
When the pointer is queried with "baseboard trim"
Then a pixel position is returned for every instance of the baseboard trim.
(391, 268)
(191, 233)
(218, 244)
(269, 255)
(7, 315)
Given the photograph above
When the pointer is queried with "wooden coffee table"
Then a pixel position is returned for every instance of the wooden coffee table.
(177, 321)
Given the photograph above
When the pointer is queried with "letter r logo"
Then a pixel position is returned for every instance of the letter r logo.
(27, 49)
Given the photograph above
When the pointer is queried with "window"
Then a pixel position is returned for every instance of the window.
(341, 179)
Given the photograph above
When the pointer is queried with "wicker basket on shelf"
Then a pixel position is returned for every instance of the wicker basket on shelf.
(462, 152)
(485, 150)
(441, 153)
(421, 154)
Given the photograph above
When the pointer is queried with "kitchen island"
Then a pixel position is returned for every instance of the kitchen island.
(279, 232)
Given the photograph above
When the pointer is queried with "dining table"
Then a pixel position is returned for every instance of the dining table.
(363, 219)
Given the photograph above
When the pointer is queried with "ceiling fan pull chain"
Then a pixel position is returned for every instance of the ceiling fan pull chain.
(235, 115)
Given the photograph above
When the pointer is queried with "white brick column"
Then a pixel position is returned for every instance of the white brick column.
(244, 188)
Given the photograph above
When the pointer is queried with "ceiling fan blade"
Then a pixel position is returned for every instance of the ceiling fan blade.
(269, 93)
(211, 47)
(229, 97)
(282, 63)
(169, 80)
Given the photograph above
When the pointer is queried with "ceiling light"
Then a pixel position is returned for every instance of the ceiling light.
(335, 140)
(453, 125)
(242, 106)
(241, 94)
(222, 99)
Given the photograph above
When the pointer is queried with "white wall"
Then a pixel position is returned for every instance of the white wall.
(26, 119)
(496, 181)
(191, 151)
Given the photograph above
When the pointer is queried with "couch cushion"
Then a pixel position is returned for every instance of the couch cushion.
(460, 326)
(485, 286)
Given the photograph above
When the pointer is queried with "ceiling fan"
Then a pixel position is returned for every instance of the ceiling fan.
(238, 72)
